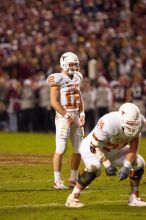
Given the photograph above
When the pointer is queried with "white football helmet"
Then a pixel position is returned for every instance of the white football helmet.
(69, 62)
(130, 118)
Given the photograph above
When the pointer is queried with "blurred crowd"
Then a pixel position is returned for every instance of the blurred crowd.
(109, 37)
(26, 106)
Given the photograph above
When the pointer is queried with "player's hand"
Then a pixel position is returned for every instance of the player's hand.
(81, 121)
(93, 149)
(123, 173)
(111, 171)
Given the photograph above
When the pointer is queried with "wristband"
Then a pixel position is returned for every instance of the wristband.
(82, 114)
(106, 163)
(67, 115)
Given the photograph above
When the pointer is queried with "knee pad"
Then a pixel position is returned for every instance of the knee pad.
(140, 162)
(61, 147)
(85, 178)
(136, 175)
(93, 169)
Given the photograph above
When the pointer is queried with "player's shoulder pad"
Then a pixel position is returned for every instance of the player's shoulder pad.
(78, 74)
(54, 79)
(102, 125)
(110, 123)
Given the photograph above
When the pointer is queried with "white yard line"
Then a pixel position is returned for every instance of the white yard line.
(31, 206)
(37, 180)
(108, 201)
(57, 204)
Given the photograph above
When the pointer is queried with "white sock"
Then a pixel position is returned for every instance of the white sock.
(57, 176)
(76, 190)
(73, 174)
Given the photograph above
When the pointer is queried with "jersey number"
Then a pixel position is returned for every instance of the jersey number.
(101, 124)
(51, 79)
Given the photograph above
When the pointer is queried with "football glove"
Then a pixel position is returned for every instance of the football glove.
(111, 171)
(123, 173)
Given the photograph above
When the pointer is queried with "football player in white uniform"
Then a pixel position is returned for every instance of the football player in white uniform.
(114, 141)
(66, 99)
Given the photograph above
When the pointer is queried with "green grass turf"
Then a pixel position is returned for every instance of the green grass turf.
(26, 143)
(26, 190)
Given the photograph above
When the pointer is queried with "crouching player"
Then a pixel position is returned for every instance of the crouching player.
(113, 142)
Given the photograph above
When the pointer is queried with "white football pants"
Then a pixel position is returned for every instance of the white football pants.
(63, 131)
(116, 157)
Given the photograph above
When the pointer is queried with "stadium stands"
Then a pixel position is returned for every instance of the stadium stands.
(33, 34)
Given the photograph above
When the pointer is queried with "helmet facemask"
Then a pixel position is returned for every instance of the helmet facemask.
(69, 62)
(130, 128)
(130, 119)
(73, 67)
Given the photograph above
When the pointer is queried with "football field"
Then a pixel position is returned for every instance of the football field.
(26, 184)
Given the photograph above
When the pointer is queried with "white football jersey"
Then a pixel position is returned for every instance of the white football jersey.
(109, 131)
(69, 89)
